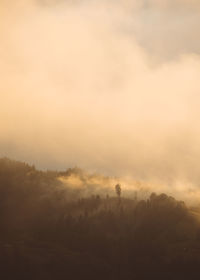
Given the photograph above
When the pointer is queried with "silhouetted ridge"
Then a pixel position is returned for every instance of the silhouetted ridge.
(48, 231)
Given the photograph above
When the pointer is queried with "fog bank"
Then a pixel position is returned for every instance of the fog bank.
(110, 87)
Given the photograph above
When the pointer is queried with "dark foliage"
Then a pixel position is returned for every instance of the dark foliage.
(45, 233)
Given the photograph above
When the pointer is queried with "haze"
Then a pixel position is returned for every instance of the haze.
(109, 86)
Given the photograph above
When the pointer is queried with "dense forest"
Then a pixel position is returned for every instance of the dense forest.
(51, 231)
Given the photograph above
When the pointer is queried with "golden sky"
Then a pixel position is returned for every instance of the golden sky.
(110, 86)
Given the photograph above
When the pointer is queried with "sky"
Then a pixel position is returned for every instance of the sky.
(109, 86)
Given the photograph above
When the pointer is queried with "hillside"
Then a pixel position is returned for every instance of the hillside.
(51, 231)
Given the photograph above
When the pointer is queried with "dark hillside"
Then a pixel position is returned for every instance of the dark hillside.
(48, 232)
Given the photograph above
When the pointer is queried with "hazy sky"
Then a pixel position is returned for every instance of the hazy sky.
(110, 86)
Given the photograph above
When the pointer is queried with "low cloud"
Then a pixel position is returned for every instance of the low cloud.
(108, 89)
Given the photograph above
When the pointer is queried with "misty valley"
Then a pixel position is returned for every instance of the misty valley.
(49, 230)
(113, 88)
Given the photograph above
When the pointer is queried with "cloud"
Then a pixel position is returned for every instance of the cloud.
(104, 88)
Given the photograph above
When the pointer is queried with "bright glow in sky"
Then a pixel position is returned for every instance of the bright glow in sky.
(110, 87)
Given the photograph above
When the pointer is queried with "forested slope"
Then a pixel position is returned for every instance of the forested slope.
(49, 231)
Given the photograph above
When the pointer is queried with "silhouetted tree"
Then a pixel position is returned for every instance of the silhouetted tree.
(118, 190)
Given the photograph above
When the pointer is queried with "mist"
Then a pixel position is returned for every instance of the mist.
(112, 87)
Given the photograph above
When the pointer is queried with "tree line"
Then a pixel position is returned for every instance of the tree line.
(47, 232)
